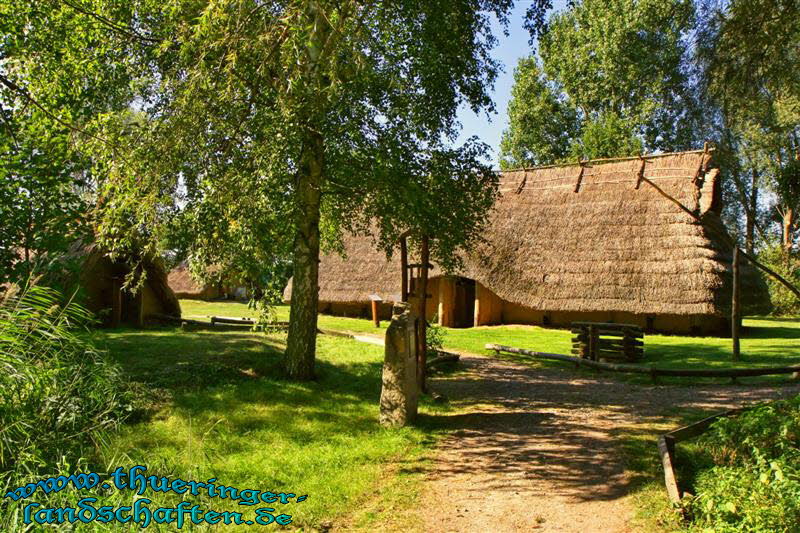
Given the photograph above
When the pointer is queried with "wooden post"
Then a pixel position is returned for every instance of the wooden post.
(735, 310)
(375, 317)
(422, 353)
(404, 270)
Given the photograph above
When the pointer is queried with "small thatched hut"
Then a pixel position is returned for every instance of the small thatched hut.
(101, 281)
(594, 241)
(184, 286)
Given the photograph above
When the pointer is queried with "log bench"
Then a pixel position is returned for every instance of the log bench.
(607, 341)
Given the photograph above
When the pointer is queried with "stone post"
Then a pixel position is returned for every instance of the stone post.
(399, 391)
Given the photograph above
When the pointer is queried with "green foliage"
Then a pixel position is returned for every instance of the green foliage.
(755, 483)
(748, 57)
(615, 81)
(787, 265)
(57, 392)
(42, 208)
(540, 123)
(607, 135)
(435, 337)
(242, 132)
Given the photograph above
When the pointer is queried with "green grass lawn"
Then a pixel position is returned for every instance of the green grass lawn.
(765, 341)
(201, 310)
(216, 406)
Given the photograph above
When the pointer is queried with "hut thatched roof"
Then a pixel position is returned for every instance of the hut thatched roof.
(591, 237)
(181, 281)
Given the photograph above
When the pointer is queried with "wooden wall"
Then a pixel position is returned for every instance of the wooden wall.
(488, 307)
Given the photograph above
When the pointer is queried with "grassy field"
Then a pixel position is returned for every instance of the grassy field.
(765, 341)
(216, 406)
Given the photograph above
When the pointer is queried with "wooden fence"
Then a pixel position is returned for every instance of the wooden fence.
(651, 371)
(666, 448)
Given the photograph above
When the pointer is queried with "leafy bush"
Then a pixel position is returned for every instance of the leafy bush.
(755, 483)
(57, 392)
(434, 335)
(784, 302)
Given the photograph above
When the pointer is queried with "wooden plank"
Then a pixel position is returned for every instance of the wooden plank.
(612, 324)
(699, 427)
(230, 320)
(666, 448)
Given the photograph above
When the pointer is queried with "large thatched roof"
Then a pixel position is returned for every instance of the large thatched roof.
(591, 237)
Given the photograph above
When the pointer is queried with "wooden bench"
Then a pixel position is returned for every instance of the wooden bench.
(607, 341)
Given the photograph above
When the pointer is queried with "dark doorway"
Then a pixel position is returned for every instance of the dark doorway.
(464, 315)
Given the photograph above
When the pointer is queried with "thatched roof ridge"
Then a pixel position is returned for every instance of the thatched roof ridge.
(583, 238)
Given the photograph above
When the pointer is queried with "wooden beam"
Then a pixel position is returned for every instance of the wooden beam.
(666, 448)
(640, 175)
(422, 342)
(404, 270)
(580, 178)
(735, 309)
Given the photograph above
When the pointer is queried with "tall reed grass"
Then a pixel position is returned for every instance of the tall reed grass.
(58, 394)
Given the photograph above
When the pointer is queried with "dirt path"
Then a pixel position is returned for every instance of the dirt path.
(537, 449)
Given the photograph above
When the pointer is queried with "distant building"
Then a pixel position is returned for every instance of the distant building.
(184, 286)
(101, 281)
(575, 242)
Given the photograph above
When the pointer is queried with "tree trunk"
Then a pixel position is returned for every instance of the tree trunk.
(735, 308)
(788, 226)
(750, 213)
(302, 339)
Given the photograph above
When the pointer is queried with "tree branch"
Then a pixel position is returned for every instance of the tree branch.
(110, 23)
(29, 98)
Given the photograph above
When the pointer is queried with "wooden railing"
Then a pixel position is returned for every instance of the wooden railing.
(652, 371)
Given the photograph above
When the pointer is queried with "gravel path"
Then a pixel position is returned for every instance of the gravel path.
(537, 449)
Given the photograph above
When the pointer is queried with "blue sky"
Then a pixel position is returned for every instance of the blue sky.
(508, 51)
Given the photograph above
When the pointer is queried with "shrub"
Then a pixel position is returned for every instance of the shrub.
(755, 483)
(57, 392)
(784, 302)
(434, 336)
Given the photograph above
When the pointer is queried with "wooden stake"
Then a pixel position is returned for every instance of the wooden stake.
(375, 318)
(404, 270)
(422, 342)
(735, 310)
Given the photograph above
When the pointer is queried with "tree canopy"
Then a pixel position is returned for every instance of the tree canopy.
(249, 132)
(618, 66)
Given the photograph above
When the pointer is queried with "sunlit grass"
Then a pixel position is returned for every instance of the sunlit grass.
(765, 341)
(219, 407)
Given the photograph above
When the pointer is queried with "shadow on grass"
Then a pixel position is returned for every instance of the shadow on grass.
(239, 377)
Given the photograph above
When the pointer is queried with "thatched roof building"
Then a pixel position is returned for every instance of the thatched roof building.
(185, 286)
(598, 241)
(101, 281)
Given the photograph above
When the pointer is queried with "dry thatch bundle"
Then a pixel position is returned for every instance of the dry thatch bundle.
(594, 241)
